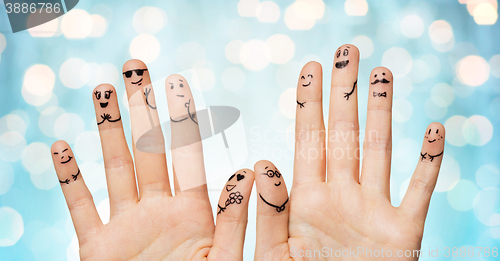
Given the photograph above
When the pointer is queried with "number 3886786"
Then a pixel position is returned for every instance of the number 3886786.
(25, 8)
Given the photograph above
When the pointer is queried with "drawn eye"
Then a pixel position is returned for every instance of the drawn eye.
(278, 175)
(437, 130)
(302, 77)
(310, 75)
(171, 85)
(107, 94)
(375, 76)
(181, 85)
(383, 73)
(270, 173)
(346, 52)
(338, 53)
(97, 94)
(430, 131)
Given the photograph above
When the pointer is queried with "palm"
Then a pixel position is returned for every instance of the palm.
(347, 215)
(163, 227)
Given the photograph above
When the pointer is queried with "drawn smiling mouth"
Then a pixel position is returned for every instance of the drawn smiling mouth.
(69, 159)
(277, 184)
(341, 64)
(138, 81)
(305, 85)
(104, 104)
(431, 141)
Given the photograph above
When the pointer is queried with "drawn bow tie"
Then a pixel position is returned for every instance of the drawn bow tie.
(379, 94)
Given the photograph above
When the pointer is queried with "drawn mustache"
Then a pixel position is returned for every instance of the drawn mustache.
(382, 81)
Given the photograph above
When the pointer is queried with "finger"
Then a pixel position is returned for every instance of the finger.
(187, 152)
(343, 125)
(272, 208)
(232, 216)
(148, 142)
(310, 152)
(80, 203)
(118, 162)
(377, 146)
(418, 196)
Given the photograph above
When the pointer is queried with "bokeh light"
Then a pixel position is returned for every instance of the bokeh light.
(449, 174)
(233, 78)
(412, 26)
(145, 47)
(287, 102)
(477, 130)
(254, 55)
(6, 177)
(488, 176)
(11, 226)
(356, 7)
(268, 12)
(364, 44)
(461, 197)
(149, 20)
(281, 48)
(74, 73)
(398, 60)
(473, 70)
(76, 24)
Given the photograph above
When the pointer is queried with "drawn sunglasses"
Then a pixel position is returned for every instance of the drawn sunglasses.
(139, 72)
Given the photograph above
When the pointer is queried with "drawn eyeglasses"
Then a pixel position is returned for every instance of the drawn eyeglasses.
(270, 173)
(139, 72)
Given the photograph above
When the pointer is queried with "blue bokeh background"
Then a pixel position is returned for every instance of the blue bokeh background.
(446, 64)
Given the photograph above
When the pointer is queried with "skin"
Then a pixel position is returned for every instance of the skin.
(146, 221)
(332, 203)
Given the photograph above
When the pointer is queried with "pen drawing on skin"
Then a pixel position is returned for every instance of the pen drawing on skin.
(146, 93)
(234, 197)
(190, 115)
(65, 160)
(138, 72)
(105, 116)
(305, 83)
(344, 63)
(271, 174)
(431, 138)
(348, 94)
(383, 81)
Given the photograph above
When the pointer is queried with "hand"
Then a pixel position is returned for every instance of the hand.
(151, 224)
(331, 205)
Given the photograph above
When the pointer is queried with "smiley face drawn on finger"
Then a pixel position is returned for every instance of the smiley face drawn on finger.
(433, 136)
(238, 176)
(273, 173)
(234, 197)
(382, 80)
(138, 78)
(306, 80)
(103, 103)
(177, 86)
(65, 156)
(344, 53)
(107, 95)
